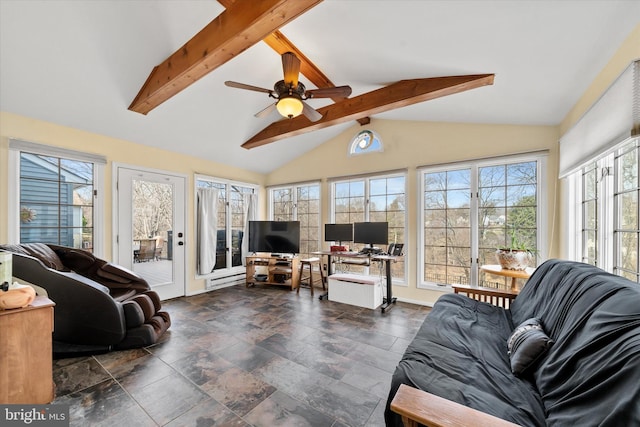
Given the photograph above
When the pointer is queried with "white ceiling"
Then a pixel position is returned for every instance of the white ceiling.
(81, 63)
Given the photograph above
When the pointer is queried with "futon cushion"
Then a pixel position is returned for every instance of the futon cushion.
(590, 375)
(460, 353)
(526, 345)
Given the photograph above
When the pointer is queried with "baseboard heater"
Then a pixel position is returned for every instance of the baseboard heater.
(224, 281)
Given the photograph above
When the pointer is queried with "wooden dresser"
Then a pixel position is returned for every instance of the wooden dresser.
(26, 353)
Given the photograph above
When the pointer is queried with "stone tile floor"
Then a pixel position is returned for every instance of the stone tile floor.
(260, 356)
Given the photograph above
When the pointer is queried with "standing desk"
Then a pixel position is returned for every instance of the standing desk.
(387, 259)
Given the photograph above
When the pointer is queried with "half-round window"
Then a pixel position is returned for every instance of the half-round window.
(366, 141)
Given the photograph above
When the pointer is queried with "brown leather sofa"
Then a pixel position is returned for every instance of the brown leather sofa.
(99, 306)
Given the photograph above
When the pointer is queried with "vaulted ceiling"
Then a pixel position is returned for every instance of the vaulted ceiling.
(90, 65)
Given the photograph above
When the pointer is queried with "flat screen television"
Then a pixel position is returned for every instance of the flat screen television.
(338, 232)
(371, 233)
(277, 237)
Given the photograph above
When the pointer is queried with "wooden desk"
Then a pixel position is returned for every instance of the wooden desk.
(514, 274)
(387, 259)
(26, 366)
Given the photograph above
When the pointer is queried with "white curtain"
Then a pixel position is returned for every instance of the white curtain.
(250, 214)
(207, 223)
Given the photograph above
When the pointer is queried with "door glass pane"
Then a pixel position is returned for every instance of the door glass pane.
(237, 224)
(153, 230)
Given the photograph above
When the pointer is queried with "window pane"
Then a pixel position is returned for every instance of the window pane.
(628, 211)
(627, 219)
(56, 201)
(307, 204)
(507, 204)
(522, 173)
(628, 252)
(518, 219)
(447, 250)
(629, 170)
(385, 203)
(493, 176)
(434, 199)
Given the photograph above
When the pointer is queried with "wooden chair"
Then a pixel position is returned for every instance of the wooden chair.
(159, 247)
(147, 250)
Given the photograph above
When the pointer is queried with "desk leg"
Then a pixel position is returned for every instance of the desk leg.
(326, 294)
(389, 300)
(514, 284)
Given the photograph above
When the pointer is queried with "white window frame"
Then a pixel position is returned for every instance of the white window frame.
(15, 148)
(222, 272)
(607, 219)
(541, 209)
(366, 178)
(294, 191)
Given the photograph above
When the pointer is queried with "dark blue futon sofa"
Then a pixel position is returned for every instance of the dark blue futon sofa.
(574, 332)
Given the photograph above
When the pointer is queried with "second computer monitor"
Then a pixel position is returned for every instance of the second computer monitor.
(371, 233)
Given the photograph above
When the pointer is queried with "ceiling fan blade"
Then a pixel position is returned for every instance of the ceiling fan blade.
(310, 112)
(247, 87)
(329, 92)
(266, 111)
(291, 69)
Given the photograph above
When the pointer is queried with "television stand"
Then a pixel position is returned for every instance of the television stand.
(281, 270)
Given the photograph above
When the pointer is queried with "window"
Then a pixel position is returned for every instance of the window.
(380, 198)
(447, 221)
(232, 215)
(299, 203)
(590, 215)
(469, 210)
(57, 195)
(608, 190)
(366, 141)
(626, 224)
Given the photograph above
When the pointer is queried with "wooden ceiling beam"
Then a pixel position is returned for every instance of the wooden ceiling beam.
(396, 95)
(243, 24)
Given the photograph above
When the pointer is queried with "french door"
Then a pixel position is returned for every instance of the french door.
(149, 228)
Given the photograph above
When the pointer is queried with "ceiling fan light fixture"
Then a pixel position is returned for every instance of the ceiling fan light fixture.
(290, 106)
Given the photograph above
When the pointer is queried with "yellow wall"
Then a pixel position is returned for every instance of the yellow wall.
(409, 144)
(120, 151)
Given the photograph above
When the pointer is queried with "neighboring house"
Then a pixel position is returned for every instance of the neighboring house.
(50, 209)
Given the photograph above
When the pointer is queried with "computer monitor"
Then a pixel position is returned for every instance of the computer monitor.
(338, 233)
(371, 233)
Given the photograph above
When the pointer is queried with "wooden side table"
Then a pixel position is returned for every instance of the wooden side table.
(26, 365)
(514, 274)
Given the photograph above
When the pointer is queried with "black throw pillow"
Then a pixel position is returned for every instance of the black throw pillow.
(527, 344)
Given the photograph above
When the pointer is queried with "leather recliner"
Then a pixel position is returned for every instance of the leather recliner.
(99, 307)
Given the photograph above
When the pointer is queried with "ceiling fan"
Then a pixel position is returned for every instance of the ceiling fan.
(290, 94)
